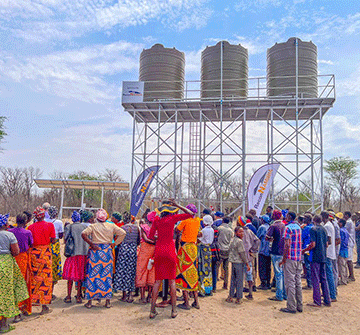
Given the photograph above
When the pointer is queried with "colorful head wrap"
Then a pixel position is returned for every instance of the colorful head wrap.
(265, 218)
(276, 215)
(151, 216)
(242, 221)
(208, 220)
(219, 214)
(192, 207)
(102, 215)
(75, 217)
(126, 217)
(86, 216)
(53, 212)
(206, 211)
(39, 213)
(117, 216)
(4, 219)
(284, 212)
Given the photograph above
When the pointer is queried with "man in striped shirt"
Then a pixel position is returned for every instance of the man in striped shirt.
(292, 265)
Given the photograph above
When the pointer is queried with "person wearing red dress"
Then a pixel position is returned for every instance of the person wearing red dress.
(165, 254)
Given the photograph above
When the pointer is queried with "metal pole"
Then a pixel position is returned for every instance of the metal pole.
(133, 151)
(102, 197)
(158, 154)
(221, 123)
(181, 159)
(243, 164)
(199, 182)
(297, 121)
(321, 162)
(82, 196)
(272, 154)
(175, 153)
(203, 148)
(62, 202)
(145, 140)
(312, 165)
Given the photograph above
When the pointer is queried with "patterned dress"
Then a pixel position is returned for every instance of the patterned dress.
(124, 279)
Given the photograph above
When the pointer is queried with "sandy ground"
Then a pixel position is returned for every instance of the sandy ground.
(259, 316)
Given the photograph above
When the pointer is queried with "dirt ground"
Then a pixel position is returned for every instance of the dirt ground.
(259, 316)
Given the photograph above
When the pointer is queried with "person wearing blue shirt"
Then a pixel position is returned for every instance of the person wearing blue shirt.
(343, 254)
(264, 254)
(305, 242)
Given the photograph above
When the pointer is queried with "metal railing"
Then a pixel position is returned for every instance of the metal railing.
(255, 88)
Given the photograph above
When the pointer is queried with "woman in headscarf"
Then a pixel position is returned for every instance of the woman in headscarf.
(87, 218)
(145, 271)
(25, 241)
(55, 247)
(187, 261)
(124, 279)
(41, 260)
(13, 288)
(74, 267)
(99, 270)
(116, 218)
(165, 255)
(205, 256)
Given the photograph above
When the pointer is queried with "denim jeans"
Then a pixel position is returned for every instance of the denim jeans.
(358, 249)
(308, 270)
(279, 277)
(330, 278)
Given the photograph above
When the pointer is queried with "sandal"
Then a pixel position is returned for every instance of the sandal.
(46, 311)
(129, 300)
(108, 304)
(238, 301)
(78, 300)
(18, 318)
(183, 306)
(195, 305)
(153, 314)
(10, 328)
(88, 305)
(174, 314)
(67, 300)
(229, 300)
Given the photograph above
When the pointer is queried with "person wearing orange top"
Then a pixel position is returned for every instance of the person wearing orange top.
(187, 278)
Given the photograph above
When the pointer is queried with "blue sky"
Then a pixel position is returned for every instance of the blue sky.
(62, 63)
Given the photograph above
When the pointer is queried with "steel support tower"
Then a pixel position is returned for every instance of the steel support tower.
(233, 138)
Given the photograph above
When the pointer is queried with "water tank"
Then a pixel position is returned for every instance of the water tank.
(163, 71)
(235, 71)
(281, 62)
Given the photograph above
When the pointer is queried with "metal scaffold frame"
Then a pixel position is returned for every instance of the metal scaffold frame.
(233, 136)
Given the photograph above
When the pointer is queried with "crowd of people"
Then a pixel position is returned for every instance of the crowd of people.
(168, 252)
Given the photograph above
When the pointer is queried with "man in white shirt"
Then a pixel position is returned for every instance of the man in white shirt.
(330, 255)
(350, 227)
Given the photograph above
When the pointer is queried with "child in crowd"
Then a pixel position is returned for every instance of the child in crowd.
(238, 259)
(343, 254)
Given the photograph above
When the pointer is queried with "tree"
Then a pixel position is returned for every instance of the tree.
(2, 130)
(341, 173)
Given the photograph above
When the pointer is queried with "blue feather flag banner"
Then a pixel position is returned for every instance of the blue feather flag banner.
(141, 187)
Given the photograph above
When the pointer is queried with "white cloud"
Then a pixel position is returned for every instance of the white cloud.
(78, 74)
(327, 62)
(340, 136)
(60, 20)
(245, 5)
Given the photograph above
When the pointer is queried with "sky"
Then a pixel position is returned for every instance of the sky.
(62, 63)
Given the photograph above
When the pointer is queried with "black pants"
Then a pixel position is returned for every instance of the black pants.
(265, 270)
